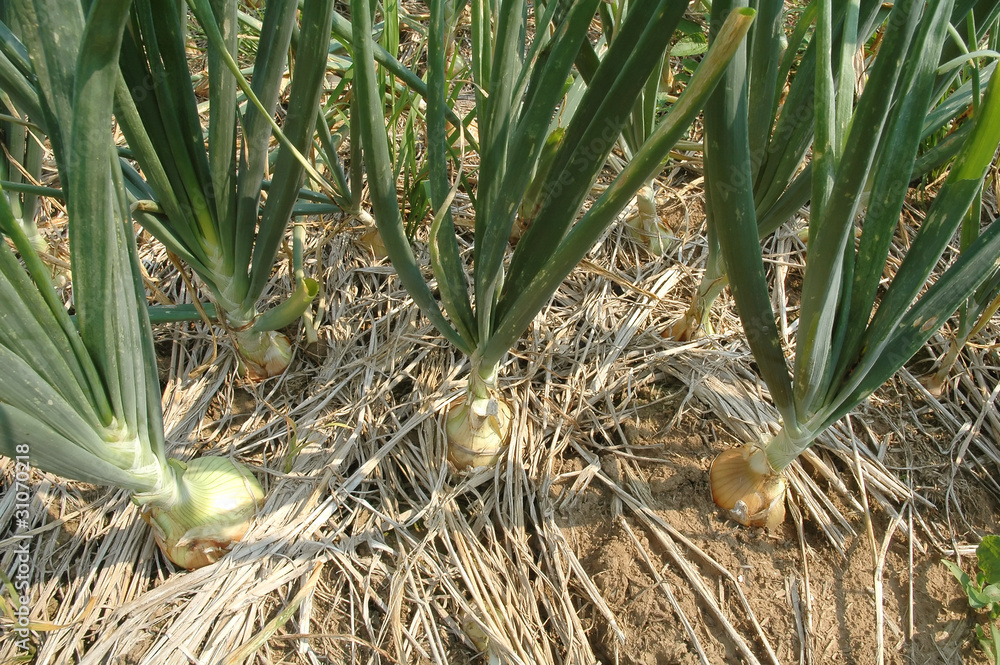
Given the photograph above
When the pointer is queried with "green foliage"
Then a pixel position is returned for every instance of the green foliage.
(983, 592)
(689, 45)
(200, 193)
(850, 339)
(519, 88)
(692, 41)
(80, 398)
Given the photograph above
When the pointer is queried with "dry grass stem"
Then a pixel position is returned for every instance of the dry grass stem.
(389, 557)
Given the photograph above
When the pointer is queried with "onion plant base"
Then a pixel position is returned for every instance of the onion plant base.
(478, 432)
(371, 240)
(696, 322)
(646, 226)
(262, 355)
(744, 485)
(687, 328)
(937, 381)
(212, 504)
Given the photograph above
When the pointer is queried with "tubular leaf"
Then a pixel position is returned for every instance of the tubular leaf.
(445, 259)
(382, 182)
(823, 283)
(300, 122)
(222, 90)
(495, 214)
(891, 180)
(525, 302)
(590, 136)
(727, 162)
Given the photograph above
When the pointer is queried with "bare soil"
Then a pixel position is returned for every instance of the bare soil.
(812, 604)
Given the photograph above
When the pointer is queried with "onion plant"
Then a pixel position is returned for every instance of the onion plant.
(974, 313)
(645, 225)
(21, 166)
(781, 122)
(779, 127)
(856, 327)
(80, 397)
(403, 92)
(201, 195)
(518, 88)
(21, 169)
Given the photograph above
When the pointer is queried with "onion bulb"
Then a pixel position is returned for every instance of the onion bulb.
(263, 354)
(208, 509)
(478, 431)
(744, 484)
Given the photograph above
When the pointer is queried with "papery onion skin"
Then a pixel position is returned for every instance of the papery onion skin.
(371, 239)
(746, 487)
(214, 501)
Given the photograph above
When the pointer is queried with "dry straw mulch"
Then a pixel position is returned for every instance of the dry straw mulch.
(370, 550)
